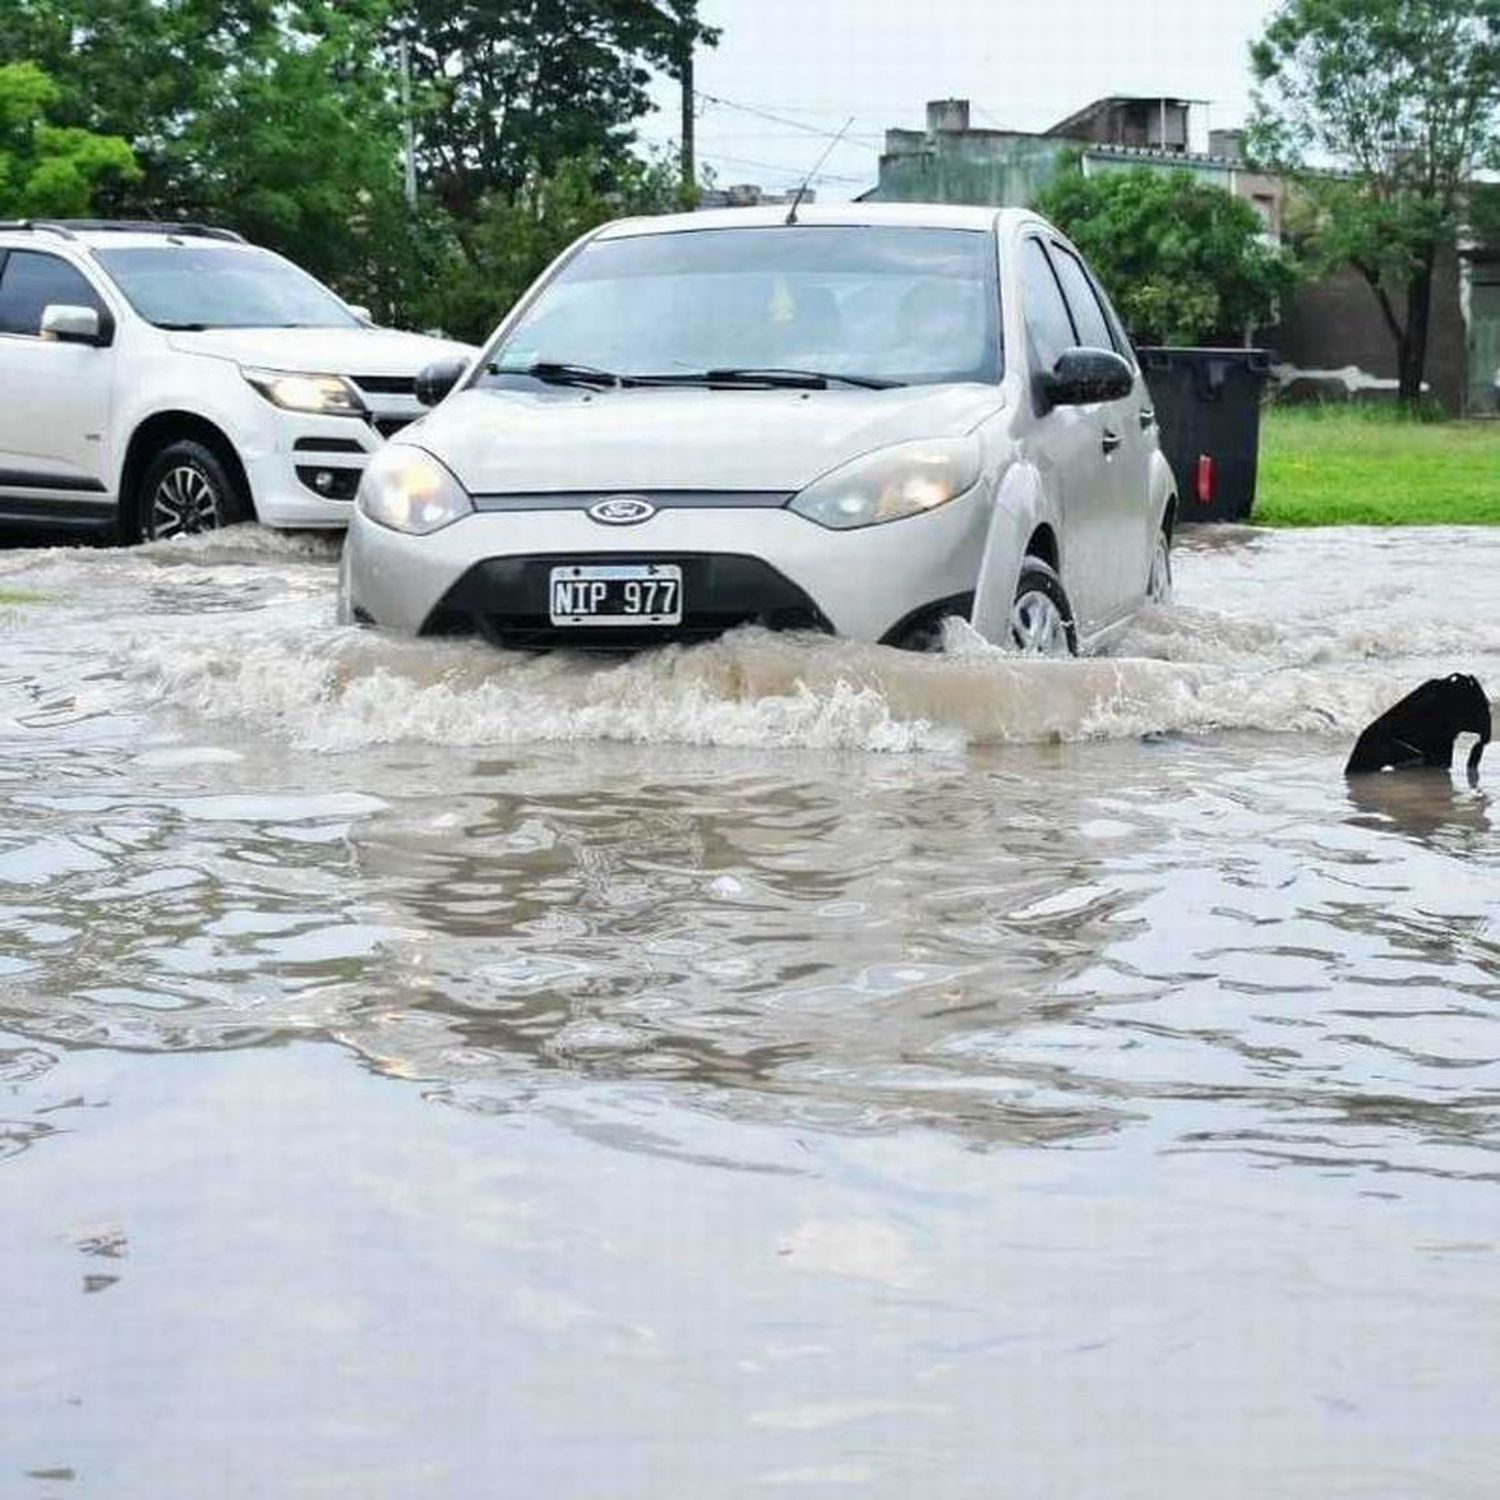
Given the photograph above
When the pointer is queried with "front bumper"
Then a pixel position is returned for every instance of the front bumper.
(296, 449)
(490, 571)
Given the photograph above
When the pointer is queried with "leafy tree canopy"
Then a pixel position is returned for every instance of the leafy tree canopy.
(512, 87)
(1183, 260)
(47, 169)
(1385, 110)
(284, 119)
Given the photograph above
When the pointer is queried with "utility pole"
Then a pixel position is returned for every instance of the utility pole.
(409, 131)
(686, 29)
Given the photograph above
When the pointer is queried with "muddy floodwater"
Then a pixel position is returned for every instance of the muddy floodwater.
(779, 1067)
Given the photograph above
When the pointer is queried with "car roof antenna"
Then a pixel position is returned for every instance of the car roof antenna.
(791, 213)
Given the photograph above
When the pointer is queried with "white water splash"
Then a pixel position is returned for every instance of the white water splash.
(1304, 633)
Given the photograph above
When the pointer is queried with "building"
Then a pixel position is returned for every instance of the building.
(748, 195)
(1331, 339)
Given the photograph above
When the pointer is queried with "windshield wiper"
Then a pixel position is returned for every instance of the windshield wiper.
(801, 380)
(554, 372)
(184, 327)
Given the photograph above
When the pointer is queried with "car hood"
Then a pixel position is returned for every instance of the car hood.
(327, 351)
(528, 442)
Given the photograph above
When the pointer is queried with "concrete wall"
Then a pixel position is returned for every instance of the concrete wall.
(1332, 340)
(990, 167)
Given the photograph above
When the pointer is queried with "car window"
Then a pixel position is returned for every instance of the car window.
(1047, 320)
(30, 281)
(221, 286)
(908, 304)
(1088, 316)
(1116, 327)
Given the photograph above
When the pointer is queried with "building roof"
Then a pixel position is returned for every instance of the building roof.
(1079, 118)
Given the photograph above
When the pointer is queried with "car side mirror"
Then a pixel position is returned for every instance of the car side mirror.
(362, 313)
(438, 379)
(65, 324)
(1084, 376)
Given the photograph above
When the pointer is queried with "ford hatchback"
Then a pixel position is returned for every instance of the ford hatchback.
(862, 420)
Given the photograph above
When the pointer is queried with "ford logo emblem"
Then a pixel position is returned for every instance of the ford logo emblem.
(622, 510)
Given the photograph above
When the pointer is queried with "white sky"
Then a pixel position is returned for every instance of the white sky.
(1024, 64)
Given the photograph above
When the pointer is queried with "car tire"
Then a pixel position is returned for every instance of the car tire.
(185, 489)
(1041, 619)
(1159, 579)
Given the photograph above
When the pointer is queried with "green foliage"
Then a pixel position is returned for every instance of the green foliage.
(512, 88)
(284, 119)
(516, 235)
(1183, 260)
(1364, 465)
(1398, 98)
(47, 169)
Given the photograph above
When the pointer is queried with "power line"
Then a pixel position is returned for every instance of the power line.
(797, 173)
(868, 142)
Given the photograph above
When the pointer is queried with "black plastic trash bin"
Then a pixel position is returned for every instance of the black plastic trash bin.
(1208, 411)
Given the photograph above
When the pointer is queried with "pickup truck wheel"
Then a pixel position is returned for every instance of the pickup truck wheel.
(1041, 619)
(186, 489)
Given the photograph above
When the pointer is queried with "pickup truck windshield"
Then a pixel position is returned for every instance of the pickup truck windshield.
(226, 286)
(878, 305)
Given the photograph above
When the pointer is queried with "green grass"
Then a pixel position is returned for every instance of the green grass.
(1366, 466)
(18, 596)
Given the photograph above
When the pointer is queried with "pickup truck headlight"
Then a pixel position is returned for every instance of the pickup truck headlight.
(328, 395)
(408, 490)
(890, 483)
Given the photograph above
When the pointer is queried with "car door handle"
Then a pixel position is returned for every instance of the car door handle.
(1148, 419)
(1112, 440)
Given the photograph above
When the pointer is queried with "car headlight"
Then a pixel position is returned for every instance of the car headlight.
(409, 490)
(891, 483)
(330, 395)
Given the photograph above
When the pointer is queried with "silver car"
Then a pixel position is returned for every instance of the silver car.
(862, 421)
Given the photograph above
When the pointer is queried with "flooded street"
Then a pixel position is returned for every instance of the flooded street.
(778, 1067)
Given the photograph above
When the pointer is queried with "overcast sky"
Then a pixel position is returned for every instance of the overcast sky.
(1024, 64)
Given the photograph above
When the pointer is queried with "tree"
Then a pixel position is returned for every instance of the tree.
(516, 235)
(512, 88)
(138, 69)
(1183, 260)
(47, 169)
(1384, 110)
(283, 119)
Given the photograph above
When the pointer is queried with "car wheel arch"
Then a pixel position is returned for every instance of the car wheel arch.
(1024, 517)
(155, 432)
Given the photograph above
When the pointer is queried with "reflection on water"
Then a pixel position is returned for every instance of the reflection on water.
(755, 1114)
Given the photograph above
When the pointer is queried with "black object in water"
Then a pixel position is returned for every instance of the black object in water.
(1420, 730)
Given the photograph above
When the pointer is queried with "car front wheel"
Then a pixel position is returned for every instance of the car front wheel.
(186, 489)
(1041, 619)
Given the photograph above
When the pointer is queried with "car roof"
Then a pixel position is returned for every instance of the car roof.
(96, 234)
(867, 215)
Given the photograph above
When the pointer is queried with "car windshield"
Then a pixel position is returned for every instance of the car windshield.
(882, 304)
(223, 286)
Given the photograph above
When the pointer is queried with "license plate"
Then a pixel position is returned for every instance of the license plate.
(617, 594)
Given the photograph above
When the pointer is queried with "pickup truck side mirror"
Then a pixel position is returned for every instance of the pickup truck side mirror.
(1084, 376)
(438, 378)
(66, 324)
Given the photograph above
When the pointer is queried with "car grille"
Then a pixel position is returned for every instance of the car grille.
(386, 385)
(389, 426)
(505, 599)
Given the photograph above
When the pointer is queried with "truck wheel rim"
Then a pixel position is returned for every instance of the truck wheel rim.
(1159, 585)
(184, 502)
(1037, 626)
